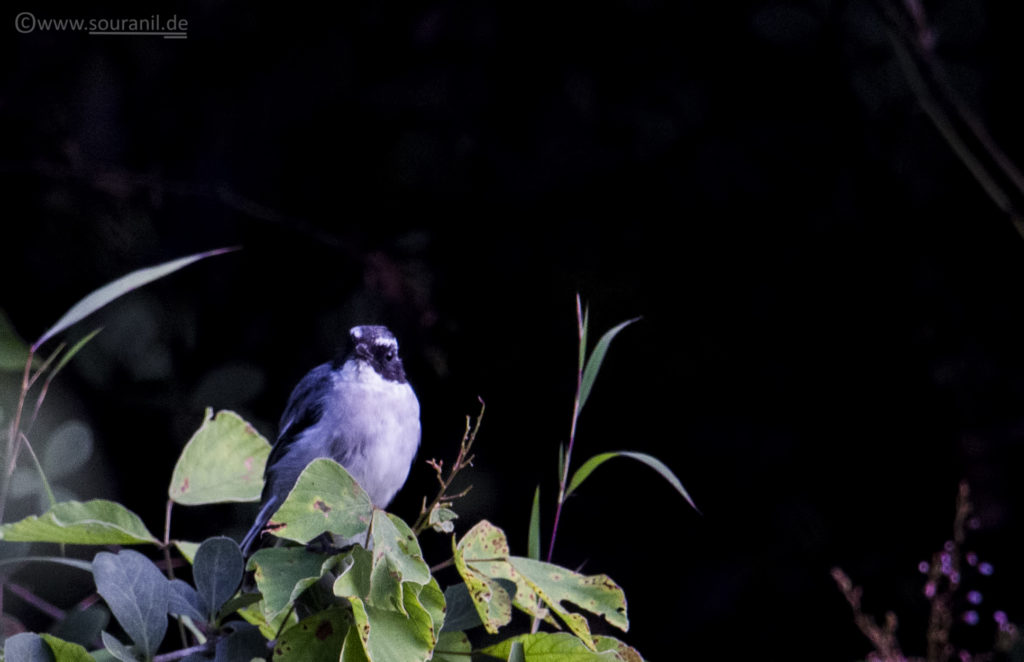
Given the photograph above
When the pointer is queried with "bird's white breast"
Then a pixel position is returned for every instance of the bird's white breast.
(377, 422)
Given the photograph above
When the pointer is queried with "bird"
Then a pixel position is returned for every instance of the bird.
(358, 410)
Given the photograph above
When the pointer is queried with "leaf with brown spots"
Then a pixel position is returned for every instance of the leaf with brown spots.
(554, 584)
(317, 638)
(484, 550)
(325, 499)
(222, 462)
(478, 548)
(386, 634)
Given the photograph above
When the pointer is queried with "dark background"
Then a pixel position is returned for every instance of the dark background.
(831, 334)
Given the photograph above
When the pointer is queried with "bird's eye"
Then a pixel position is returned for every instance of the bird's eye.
(390, 356)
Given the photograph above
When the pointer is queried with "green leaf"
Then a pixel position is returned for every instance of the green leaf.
(381, 578)
(352, 649)
(397, 558)
(482, 559)
(115, 289)
(479, 546)
(325, 499)
(516, 653)
(237, 603)
(27, 647)
(223, 461)
(116, 648)
(74, 563)
(317, 638)
(186, 549)
(484, 552)
(217, 571)
(550, 647)
(554, 585)
(270, 628)
(593, 463)
(452, 647)
(442, 519)
(533, 536)
(387, 634)
(431, 598)
(183, 600)
(283, 573)
(13, 350)
(354, 574)
(137, 594)
(624, 651)
(597, 358)
(66, 651)
(96, 522)
(582, 321)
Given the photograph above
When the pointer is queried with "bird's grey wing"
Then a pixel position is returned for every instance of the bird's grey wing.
(304, 409)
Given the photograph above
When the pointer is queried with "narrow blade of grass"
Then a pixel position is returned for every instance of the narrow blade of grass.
(597, 358)
(533, 537)
(118, 288)
(593, 463)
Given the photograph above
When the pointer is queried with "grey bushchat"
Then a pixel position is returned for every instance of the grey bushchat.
(359, 411)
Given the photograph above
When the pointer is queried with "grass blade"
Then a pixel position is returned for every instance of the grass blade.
(582, 319)
(117, 288)
(593, 463)
(42, 474)
(533, 537)
(70, 354)
(596, 358)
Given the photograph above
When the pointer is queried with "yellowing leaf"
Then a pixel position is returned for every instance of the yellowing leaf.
(223, 461)
(325, 499)
(96, 522)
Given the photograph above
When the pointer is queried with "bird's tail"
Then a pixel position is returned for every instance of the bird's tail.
(257, 527)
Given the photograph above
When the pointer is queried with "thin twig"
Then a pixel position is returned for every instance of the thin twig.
(54, 612)
(46, 364)
(178, 654)
(170, 564)
(950, 114)
(882, 637)
(462, 460)
(944, 577)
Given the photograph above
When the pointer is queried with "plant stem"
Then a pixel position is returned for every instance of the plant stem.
(462, 460)
(564, 478)
(959, 126)
(39, 468)
(167, 539)
(178, 654)
(13, 437)
(54, 612)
